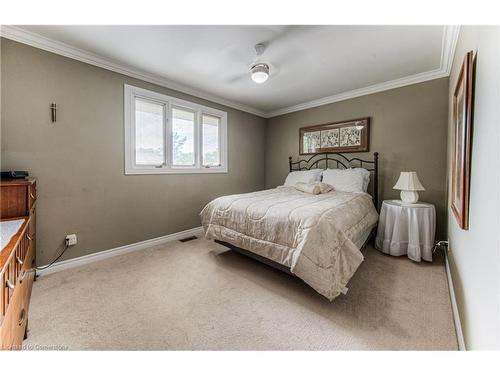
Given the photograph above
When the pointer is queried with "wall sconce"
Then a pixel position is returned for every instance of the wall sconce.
(53, 109)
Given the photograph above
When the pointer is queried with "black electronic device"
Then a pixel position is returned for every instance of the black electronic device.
(14, 175)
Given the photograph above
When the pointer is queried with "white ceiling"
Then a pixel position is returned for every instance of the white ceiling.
(307, 63)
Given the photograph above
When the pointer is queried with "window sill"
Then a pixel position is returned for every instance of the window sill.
(146, 171)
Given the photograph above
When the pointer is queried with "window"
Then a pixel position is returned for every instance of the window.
(149, 133)
(183, 139)
(211, 142)
(169, 135)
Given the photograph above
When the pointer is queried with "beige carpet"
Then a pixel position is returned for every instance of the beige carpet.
(197, 295)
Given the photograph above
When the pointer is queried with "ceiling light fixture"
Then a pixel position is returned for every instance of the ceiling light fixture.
(260, 72)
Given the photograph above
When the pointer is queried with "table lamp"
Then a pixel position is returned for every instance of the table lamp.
(409, 184)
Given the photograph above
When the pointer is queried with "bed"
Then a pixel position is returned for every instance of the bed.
(317, 238)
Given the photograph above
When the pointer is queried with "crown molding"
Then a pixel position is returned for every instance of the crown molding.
(450, 39)
(35, 40)
(449, 42)
(384, 86)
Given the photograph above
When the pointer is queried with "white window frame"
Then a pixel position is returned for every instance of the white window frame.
(169, 102)
(203, 113)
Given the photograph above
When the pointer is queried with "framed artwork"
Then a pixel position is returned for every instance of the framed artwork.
(462, 136)
(345, 136)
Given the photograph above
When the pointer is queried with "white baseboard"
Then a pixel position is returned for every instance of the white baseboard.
(454, 307)
(80, 261)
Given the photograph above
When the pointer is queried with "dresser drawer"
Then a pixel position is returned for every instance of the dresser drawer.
(13, 326)
(18, 199)
(16, 278)
(14, 200)
(31, 195)
(14, 323)
(32, 226)
(29, 260)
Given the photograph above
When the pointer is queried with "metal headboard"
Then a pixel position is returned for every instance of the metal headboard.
(338, 160)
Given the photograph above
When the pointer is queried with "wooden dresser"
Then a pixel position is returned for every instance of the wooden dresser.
(17, 257)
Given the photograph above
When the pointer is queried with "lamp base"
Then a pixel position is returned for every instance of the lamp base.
(409, 197)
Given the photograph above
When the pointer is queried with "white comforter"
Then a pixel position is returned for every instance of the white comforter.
(314, 235)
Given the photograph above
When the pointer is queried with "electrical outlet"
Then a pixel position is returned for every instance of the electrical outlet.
(444, 244)
(71, 239)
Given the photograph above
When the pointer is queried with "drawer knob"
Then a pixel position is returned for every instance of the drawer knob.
(22, 316)
(23, 275)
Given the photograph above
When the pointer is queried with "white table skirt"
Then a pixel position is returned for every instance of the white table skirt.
(407, 230)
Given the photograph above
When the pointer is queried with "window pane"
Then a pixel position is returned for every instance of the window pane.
(149, 139)
(182, 137)
(211, 147)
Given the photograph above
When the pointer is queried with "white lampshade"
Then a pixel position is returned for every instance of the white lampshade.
(408, 181)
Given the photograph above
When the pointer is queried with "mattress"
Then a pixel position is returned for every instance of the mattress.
(317, 236)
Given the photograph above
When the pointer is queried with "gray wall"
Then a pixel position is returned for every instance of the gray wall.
(408, 129)
(79, 160)
(474, 254)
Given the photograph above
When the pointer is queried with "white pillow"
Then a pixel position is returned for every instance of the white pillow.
(354, 180)
(366, 177)
(303, 176)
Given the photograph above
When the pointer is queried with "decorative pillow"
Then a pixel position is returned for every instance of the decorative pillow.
(353, 180)
(324, 188)
(303, 176)
(313, 187)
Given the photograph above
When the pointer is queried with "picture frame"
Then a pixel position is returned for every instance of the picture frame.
(462, 141)
(343, 136)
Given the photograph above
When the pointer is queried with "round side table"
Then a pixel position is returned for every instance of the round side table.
(406, 229)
